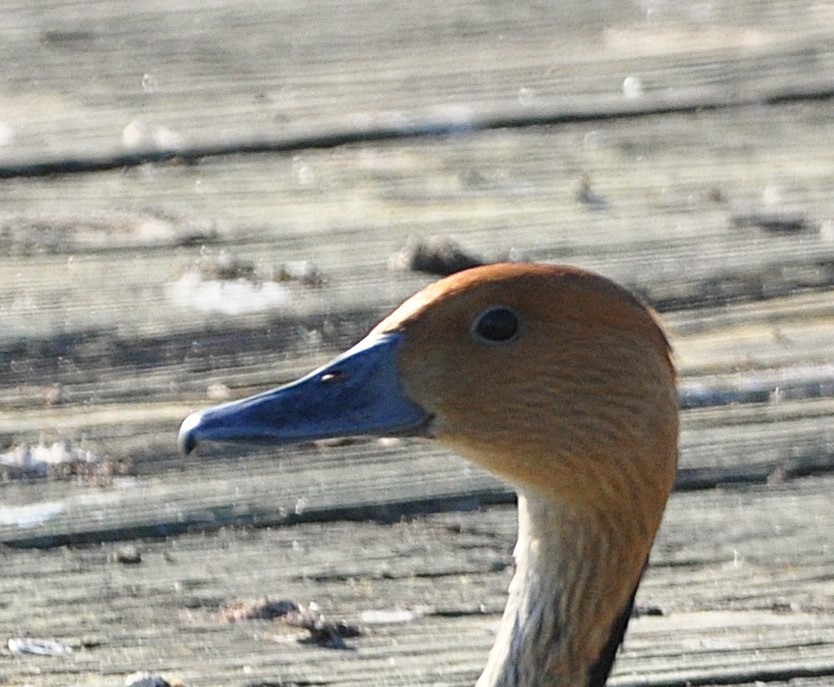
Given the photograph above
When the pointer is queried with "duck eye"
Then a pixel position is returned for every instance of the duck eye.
(496, 324)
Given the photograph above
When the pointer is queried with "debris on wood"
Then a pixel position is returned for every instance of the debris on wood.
(302, 271)
(772, 221)
(143, 678)
(98, 473)
(39, 647)
(227, 266)
(324, 632)
(232, 285)
(646, 610)
(632, 87)
(586, 195)
(60, 460)
(35, 461)
(263, 609)
(785, 606)
(438, 255)
(30, 514)
(127, 554)
(225, 296)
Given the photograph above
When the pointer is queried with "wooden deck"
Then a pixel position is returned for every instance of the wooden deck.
(199, 200)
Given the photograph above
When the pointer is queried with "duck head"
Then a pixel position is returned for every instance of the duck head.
(550, 376)
(554, 378)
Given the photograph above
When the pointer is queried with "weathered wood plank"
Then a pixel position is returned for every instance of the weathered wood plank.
(126, 356)
(123, 394)
(380, 480)
(97, 80)
(737, 573)
(499, 193)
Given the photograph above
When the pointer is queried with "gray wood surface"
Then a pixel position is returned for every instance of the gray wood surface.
(223, 73)
(686, 150)
(742, 577)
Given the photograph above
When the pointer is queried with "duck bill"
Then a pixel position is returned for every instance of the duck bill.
(356, 393)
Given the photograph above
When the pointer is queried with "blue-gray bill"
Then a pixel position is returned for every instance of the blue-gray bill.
(356, 393)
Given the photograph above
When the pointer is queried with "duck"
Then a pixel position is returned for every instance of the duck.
(555, 378)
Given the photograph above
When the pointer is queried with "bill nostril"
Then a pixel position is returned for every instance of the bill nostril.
(333, 376)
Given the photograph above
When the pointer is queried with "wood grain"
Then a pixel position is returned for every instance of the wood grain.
(96, 80)
(736, 571)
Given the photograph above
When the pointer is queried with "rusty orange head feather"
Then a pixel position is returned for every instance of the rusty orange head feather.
(581, 392)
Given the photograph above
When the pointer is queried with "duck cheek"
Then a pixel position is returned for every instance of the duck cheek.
(481, 452)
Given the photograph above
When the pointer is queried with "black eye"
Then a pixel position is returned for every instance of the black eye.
(496, 324)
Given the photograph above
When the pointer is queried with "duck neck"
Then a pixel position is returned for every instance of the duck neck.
(570, 599)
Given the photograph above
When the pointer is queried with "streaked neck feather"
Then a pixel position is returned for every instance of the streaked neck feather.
(569, 601)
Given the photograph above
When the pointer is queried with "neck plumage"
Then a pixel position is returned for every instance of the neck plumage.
(570, 598)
